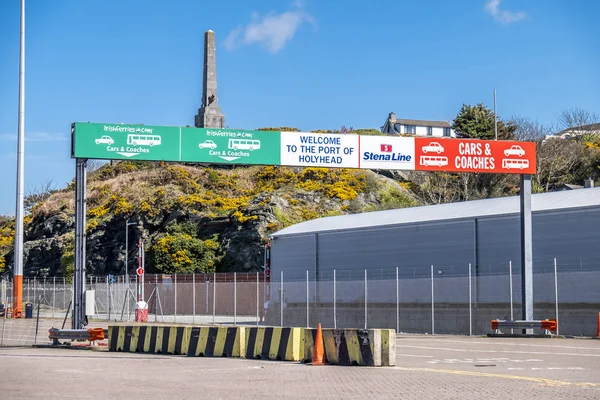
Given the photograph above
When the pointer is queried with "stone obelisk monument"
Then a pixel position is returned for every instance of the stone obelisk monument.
(209, 113)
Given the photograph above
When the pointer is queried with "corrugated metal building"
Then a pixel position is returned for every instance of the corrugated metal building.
(485, 233)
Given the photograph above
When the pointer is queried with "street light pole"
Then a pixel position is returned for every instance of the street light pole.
(495, 117)
(18, 268)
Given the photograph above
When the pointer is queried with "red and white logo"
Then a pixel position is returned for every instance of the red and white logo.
(386, 148)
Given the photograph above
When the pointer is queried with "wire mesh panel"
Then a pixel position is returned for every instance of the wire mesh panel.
(381, 298)
(451, 299)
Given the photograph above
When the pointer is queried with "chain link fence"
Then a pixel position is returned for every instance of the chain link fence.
(436, 299)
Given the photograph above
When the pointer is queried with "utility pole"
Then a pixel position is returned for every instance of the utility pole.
(495, 117)
(18, 268)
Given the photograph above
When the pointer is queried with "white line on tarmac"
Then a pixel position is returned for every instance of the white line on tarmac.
(550, 382)
(495, 343)
(500, 351)
(412, 355)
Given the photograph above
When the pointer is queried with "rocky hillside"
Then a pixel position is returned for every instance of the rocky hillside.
(192, 219)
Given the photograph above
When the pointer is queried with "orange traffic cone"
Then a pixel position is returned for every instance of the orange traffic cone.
(319, 348)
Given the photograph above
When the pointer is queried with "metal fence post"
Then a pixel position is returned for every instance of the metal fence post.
(206, 291)
(432, 305)
(281, 301)
(34, 289)
(175, 308)
(194, 298)
(470, 304)
(307, 302)
(510, 283)
(556, 294)
(334, 300)
(366, 299)
(257, 297)
(109, 299)
(235, 298)
(214, 294)
(397, 303)
(53, 296)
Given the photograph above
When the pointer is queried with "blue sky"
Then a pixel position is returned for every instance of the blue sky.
(308, 64)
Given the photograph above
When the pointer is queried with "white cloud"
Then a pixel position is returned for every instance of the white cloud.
(36, 137)
(492, 7)
(272, 31)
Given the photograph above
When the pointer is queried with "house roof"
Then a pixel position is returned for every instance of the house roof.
(569, 199)
(568, 186)
(418, 122)
(595, 127)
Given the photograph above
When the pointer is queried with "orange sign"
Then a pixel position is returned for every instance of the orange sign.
(467, 155)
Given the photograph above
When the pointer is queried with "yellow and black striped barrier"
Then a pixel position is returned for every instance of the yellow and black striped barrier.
(274, 343)
(212, 341)
(149, 339)
(372, 347)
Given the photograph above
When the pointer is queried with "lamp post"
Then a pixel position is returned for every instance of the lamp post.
(19, 214)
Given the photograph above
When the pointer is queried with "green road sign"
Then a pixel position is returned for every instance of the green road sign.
(231, 146)
(123, 142)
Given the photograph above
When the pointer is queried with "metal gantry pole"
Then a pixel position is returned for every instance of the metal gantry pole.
(334, 300)
(397, 303)
(526, 251)
(78, 315)
(432, 305)
(20, 210)
(307, 302)
(470, 303)
(556, 294)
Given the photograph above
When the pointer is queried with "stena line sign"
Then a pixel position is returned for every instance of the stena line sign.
(299, 149)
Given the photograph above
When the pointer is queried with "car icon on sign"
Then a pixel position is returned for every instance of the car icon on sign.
(514, 151)
(208, 144)
(433, 147)
(105, 140)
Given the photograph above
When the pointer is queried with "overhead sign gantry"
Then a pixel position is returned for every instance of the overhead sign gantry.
(303, 149)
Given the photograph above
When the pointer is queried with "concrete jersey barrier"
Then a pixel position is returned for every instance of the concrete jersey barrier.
(372, 347)
(284, 344)
(365, 347)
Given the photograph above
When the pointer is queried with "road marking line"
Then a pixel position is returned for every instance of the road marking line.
(501, 351)
(502, 376)
(466, 341)
(412, 355)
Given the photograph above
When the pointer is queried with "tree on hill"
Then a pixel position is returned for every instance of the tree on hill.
(477, 122)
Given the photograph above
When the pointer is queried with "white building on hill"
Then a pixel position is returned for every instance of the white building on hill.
(417, 127)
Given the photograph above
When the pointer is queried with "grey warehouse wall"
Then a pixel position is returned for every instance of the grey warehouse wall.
(489, 243)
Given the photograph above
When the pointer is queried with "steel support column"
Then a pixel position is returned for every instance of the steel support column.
(526, 249)
(79, 318)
